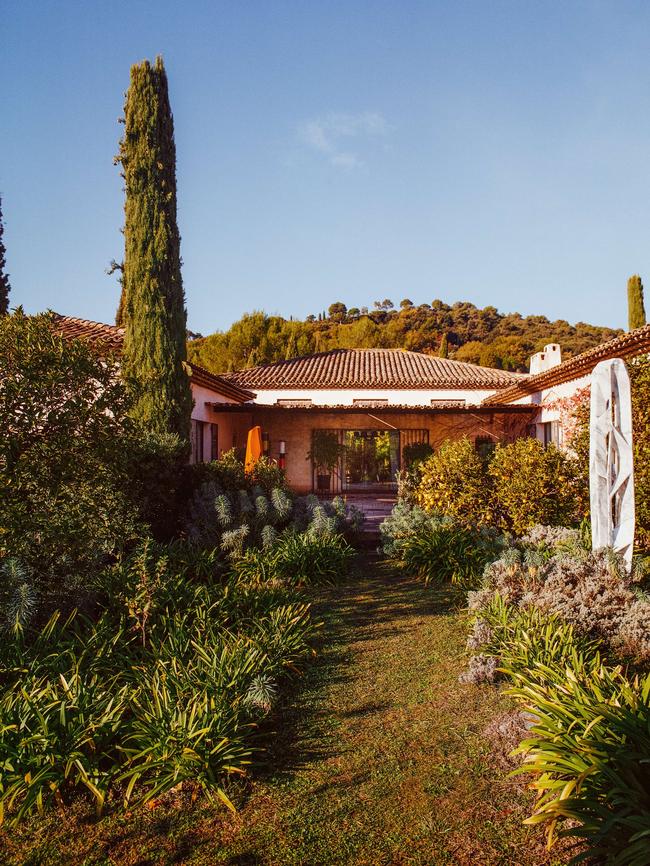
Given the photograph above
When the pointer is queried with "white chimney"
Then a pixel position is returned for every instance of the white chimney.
(550, 357)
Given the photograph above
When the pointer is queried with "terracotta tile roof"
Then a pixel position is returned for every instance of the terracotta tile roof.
(113, 337)
(628, 345)
(72, 328)
(372, 368)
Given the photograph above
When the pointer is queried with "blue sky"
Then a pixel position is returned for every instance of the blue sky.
(497, 152)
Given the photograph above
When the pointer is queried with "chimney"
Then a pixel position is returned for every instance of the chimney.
(550, 357)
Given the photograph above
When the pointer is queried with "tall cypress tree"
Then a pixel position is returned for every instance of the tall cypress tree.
(635, 307)
(5, 288)
(443, 352)
(153, 301)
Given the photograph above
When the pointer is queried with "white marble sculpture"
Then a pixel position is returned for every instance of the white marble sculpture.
(611, 474)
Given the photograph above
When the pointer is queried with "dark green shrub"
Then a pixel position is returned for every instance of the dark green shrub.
(415, 453)
(446, 551)
(65, 435)
(299, 558)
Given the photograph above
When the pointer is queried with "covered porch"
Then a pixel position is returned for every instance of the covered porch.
(371, 441)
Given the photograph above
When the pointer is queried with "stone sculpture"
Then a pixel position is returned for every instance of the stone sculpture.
(611, 472)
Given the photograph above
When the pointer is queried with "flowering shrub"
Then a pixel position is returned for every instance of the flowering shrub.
(589, 591)
(519, 485)
(532, 484)
(454, 483)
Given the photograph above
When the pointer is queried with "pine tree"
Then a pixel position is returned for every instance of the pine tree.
(635, 307)
(153, 301)
(5, 288)
(443, 352)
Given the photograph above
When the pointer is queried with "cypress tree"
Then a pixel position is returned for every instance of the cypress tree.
(444, 347)
(635, 307)
(4, 278)
(153, 301)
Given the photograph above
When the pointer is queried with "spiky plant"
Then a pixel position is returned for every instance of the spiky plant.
(17, 594)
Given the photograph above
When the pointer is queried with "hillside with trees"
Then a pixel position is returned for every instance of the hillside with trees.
(460, 330)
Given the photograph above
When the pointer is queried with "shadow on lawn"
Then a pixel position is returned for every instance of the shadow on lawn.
(365, 609)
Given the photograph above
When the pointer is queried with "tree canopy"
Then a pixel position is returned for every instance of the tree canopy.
(153, 301)
(481, 336)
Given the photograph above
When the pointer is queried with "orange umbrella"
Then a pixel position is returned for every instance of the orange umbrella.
(253, 448)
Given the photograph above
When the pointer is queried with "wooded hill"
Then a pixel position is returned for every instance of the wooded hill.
(461, 331)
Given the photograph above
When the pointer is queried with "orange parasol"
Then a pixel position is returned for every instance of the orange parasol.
(253, 448)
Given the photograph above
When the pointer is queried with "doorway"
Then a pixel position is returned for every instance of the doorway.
(371, 459)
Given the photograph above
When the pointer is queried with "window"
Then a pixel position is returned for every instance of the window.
(196, 436)
(214, 441)
(551, 433)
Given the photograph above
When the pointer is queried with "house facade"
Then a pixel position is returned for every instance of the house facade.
(553, 385)
(375, 403)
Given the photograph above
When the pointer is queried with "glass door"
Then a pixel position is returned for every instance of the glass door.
(371, 459)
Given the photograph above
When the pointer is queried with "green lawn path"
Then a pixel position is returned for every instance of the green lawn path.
(379, 757)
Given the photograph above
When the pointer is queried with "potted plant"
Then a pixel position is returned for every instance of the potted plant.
(325, 453)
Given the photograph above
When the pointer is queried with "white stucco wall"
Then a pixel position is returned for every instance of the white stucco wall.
(545, 399)
(346, 396)
(228, 433)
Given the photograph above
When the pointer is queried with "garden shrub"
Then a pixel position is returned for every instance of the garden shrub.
(590, 591)
(532, 484)
(588, 752)
(299, 558)
(454, 483)
(65, 435)
(163, 688)
(409, 477)
(251, 517)
(404, 521)
(515, 487)
(590, 735)
(447, 551)
(415, 453)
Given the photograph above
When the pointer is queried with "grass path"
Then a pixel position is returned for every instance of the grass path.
(379, 758)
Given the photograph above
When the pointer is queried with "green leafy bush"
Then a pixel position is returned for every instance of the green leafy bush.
(454, 483)
(518, 485)
(532, 484)
(299, 558)
(445, 550)
(415, 453)
(65, 493)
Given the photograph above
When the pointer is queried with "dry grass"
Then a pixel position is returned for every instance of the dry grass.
(380, 757)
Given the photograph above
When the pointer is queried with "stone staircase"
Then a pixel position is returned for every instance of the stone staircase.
(376, 507)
